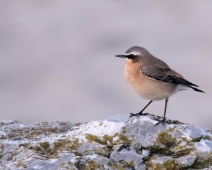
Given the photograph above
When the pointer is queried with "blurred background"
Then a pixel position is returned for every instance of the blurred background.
(57, 58)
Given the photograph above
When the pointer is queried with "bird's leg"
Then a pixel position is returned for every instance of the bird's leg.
(141, 112)
(164, 116)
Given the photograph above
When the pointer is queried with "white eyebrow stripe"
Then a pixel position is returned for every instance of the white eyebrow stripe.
(133, 53)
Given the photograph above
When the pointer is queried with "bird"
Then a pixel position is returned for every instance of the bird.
(152, 78)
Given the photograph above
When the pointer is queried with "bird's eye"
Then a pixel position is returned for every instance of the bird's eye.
(131, 56)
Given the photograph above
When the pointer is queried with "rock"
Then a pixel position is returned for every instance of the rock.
(116, 143)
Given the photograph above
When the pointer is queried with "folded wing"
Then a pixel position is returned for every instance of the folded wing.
(165, 74)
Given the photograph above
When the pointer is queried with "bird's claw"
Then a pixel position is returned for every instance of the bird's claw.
(163, 121)
(138, 114)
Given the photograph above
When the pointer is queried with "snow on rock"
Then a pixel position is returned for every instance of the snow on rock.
(119, 142)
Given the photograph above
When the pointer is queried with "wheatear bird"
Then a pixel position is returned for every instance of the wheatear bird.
(152, 78)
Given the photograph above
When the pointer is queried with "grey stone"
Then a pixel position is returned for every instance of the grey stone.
(116, 143)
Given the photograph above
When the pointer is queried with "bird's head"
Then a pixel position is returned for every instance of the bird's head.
(134, 54)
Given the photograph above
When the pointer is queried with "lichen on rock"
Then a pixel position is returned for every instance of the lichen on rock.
(116, 143)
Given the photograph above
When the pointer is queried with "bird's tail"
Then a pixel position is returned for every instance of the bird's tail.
(196, 89)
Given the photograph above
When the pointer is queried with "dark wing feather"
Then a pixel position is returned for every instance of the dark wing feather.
(165, 74)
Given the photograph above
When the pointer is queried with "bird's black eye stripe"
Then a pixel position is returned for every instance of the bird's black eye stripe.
(131, 56)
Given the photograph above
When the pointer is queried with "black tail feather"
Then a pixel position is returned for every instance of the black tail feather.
(195, 89)
(194, 84)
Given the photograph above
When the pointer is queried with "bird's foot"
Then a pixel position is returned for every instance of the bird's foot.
(161, 121)
(138, 114)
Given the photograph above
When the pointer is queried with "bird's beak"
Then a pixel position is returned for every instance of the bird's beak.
(121, 56)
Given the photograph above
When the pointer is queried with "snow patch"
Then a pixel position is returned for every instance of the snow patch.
(204, 146)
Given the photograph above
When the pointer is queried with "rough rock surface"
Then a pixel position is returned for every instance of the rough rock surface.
(116, 143)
